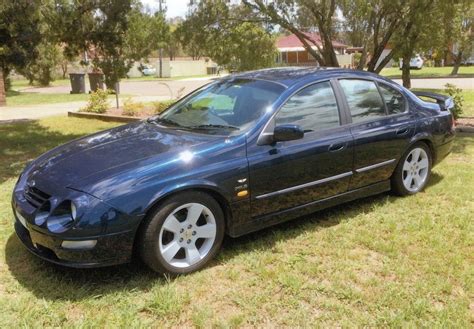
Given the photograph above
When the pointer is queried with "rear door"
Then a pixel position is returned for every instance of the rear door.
(381, 126)
(292, 173)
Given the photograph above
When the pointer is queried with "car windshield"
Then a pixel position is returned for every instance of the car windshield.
(232, 105)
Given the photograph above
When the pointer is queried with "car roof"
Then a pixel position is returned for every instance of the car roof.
(289, 76)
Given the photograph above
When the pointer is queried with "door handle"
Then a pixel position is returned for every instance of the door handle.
(403, 131)
(336, 147)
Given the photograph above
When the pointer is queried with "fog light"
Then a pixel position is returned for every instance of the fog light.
(84, 244)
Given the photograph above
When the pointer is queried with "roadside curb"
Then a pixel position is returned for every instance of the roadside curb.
(465, 129)
(103, 117)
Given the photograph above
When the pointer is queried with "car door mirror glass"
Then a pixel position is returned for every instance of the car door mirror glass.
(287, 132)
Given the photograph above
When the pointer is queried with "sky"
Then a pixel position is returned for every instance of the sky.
(175, 7)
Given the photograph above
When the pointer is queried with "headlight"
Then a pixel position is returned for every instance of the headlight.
(61, 218)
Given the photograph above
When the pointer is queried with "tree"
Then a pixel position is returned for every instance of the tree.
(43, 67)
(222, 32)
(414, 32)
(291, 14)
(115, 33)
(19, 35)
(371, 25)
(457, 27)
(245, 47)
(173, 46)
(145, 33)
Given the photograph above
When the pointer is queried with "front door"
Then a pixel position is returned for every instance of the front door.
(292, 173)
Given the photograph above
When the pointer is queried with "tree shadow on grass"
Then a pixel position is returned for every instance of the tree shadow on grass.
(462, 141)
(21, 142)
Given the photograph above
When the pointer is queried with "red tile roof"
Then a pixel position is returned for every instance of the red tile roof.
(290, 41)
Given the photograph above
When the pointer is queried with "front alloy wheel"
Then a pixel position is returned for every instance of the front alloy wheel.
(183, 234)
(187, 235)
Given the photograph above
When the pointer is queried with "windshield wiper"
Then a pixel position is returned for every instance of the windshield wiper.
(163, 120)
(214, 126)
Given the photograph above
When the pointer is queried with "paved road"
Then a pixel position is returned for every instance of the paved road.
(438, 83)
(169, 88)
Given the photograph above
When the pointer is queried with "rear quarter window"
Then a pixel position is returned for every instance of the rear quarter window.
(364, 100)
(393, 99)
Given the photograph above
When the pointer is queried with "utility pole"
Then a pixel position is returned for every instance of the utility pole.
(161, 10)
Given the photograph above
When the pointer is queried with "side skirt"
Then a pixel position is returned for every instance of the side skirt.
(262, 222)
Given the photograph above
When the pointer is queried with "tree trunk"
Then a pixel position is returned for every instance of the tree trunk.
(406, 71)
(3, 100)
(64, 69)
(457, 63)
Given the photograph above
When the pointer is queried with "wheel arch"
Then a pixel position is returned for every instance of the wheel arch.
(208, 189)
(427, 139)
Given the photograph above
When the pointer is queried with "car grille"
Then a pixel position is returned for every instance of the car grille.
(35, 196)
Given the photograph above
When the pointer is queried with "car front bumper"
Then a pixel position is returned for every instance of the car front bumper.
(110, 249)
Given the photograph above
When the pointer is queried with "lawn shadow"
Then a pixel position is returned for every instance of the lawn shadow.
(54, 282)
(461, 142)
(23, 141)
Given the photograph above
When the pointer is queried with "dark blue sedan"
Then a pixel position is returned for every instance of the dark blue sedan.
(240, 154)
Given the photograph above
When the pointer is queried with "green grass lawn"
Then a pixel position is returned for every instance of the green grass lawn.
(17, 98)
(468, 95)
(21, 98)
(383, 261)
(428, 72)
(23, 83)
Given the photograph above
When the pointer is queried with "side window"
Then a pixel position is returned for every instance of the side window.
(364, 99)
(313, 108)
(394, 101)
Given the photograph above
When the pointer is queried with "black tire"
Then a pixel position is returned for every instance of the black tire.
(149, 233)
(398, 187)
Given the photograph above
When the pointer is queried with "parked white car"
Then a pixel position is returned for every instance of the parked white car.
(148, 70)
(468, 61)
(415, 63)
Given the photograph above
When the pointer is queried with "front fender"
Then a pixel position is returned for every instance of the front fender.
(195, 184)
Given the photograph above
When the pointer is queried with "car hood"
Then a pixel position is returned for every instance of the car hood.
(71, 164)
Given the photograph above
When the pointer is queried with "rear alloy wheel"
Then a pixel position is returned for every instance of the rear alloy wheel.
(183, 234)
(413, 171)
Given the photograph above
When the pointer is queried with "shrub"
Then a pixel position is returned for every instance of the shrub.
(456, 94)
(131, 108)
(159, 107)
(97, 102)
(356, 59)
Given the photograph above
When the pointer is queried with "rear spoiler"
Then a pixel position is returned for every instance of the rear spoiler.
(445, 102)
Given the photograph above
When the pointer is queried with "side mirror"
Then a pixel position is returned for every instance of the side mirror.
(287, 133)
